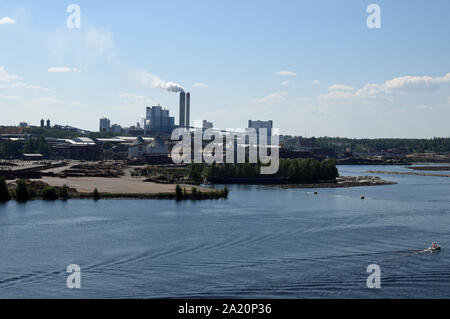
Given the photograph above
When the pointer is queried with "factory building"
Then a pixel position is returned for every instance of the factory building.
(158, 120)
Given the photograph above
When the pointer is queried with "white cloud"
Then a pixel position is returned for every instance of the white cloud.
(59, 70)
(395, 85)
(200, 85)
(423, 107)
(290, 73)
(21, 85)
(5, 76)
(416, 82)
(315, 82)
(274, 97)
(7, 20)
(287, 82)
(10, 97)
(341, 87)
(14, 82)
(62, 70)
(337, 95)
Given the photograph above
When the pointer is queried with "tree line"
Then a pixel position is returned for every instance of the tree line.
(14, 149)
(366, 145)
(293, 170)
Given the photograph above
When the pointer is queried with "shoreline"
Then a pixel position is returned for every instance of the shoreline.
(407, 173)
(344, 182)
(430, 168)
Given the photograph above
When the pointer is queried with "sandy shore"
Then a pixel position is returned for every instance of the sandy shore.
(123, 185)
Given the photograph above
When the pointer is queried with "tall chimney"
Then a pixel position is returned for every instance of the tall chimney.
(182, 109)
(188, 109)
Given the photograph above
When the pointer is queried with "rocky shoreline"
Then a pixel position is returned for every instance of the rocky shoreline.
(344, 182)
(430, 168)
(407, 173)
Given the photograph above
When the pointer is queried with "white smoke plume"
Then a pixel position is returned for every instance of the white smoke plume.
(154, 81)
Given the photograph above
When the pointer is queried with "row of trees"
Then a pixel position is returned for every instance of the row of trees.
(24, 192)
(38, 145)
(13, 149)
(181, 193)
(294, 170)
(340, 144)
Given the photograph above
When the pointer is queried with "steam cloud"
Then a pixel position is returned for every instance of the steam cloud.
(154, 81)
(168, 86)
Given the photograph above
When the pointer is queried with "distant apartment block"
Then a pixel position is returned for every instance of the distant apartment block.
(105, 125)
(116, 129)
(257, 125)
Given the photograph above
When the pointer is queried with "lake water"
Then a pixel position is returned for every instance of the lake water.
(261, 242)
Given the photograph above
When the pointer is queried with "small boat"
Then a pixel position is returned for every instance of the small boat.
(434, 248)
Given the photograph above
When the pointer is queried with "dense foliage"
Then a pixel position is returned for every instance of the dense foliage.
(64, 192)
(49, 193)
(38, 145)
(294, 170)
(95, 194)
(22, 193)
(10, 149)
(4, 192)
(437, 144)
(14, 149)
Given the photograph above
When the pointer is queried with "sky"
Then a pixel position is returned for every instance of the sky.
(313, 67)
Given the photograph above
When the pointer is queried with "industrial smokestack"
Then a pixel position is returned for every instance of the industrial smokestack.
(188, 109)
(182, 109)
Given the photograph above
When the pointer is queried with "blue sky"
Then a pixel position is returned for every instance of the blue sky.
(314, 67)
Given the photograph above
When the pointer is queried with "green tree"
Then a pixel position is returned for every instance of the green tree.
(4, 192)
(107, 145)
(49, 193)
(64, 192)
(178, 192)
(10, 149)
(226, 192)
(194, 192)
(29, 146)
(22, 193)
(96, 194)
(43, 147)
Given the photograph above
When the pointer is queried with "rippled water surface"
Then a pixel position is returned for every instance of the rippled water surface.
(261, 242)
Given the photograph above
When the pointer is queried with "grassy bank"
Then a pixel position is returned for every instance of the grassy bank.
(23, 191)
